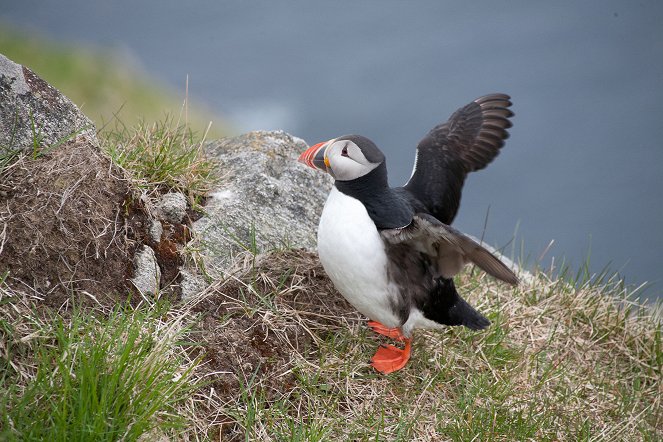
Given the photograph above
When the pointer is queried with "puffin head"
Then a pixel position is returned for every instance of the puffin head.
(345, 158)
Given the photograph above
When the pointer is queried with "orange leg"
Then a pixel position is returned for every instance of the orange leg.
(393, 333)
(389, 358)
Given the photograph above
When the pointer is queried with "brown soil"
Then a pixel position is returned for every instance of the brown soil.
(255, 324)
(62, 226)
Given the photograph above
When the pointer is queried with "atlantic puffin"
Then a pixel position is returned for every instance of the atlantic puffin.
(391, 252)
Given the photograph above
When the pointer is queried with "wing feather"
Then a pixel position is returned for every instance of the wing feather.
(468, 141)
(429, 235)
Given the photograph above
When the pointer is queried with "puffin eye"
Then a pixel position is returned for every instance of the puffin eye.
(344, 152)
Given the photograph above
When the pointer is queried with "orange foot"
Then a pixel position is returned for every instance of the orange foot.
(393, 333)
(389, 358)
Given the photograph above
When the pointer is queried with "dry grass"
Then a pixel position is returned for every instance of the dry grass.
(62, 225)
(284, 357)
(289, 361)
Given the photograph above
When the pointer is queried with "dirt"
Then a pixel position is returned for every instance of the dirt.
(252, 325)
(69, 226)
(63, 226)
(240, 337)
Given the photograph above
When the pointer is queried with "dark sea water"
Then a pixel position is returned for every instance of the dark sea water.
(583, 166)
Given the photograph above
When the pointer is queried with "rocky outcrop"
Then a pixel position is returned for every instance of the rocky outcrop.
(69, 221)
(266, 200)
(64, 222)
(33, 114)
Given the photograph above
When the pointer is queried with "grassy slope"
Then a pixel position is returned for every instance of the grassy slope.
(101, 82)
(558, 363)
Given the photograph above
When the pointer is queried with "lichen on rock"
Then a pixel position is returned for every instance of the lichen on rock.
(147, 273)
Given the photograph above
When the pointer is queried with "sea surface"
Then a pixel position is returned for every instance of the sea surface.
(583, 166)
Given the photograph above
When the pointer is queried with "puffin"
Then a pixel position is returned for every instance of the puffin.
(391, 251)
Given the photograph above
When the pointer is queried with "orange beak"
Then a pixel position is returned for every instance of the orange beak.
(314, 157)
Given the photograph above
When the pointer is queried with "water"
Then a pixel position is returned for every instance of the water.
(582, 167)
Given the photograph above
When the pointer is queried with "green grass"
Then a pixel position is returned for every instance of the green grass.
(166, 155)
(102, 82)
(94, 377)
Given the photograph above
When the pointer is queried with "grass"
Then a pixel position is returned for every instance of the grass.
(101, 81)
(166, 155)
(563, 360)
(91, 376)
(559, 362)
(566, 358)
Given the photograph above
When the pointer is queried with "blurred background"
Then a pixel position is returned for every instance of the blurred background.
(582, 167)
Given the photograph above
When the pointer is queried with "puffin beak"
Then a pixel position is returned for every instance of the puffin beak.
(314, 156)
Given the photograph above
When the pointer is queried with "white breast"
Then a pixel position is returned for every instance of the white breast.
(353, 255)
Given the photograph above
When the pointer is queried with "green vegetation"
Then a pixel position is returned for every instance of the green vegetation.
(91, 376)
(164, 155)
(102, 82)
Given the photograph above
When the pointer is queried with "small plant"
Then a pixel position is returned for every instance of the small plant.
(164, 155)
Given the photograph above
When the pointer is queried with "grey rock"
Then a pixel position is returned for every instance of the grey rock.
(147, 273)
(155, 231)
(32, 109)
(191, 284)
(172, 207)
(267, 200)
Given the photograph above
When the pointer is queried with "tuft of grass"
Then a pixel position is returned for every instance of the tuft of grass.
(164, 155)
(92, 377)
(7, 159)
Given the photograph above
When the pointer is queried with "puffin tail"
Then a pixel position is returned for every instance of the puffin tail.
(468, 316)
(447, 307)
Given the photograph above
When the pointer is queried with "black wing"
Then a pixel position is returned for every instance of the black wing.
(467, 142)
(451, 248)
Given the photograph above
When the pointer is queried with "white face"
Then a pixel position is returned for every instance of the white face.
(345, 160)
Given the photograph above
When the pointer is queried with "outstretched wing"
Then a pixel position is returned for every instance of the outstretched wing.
(452, 248)
(468, 141)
